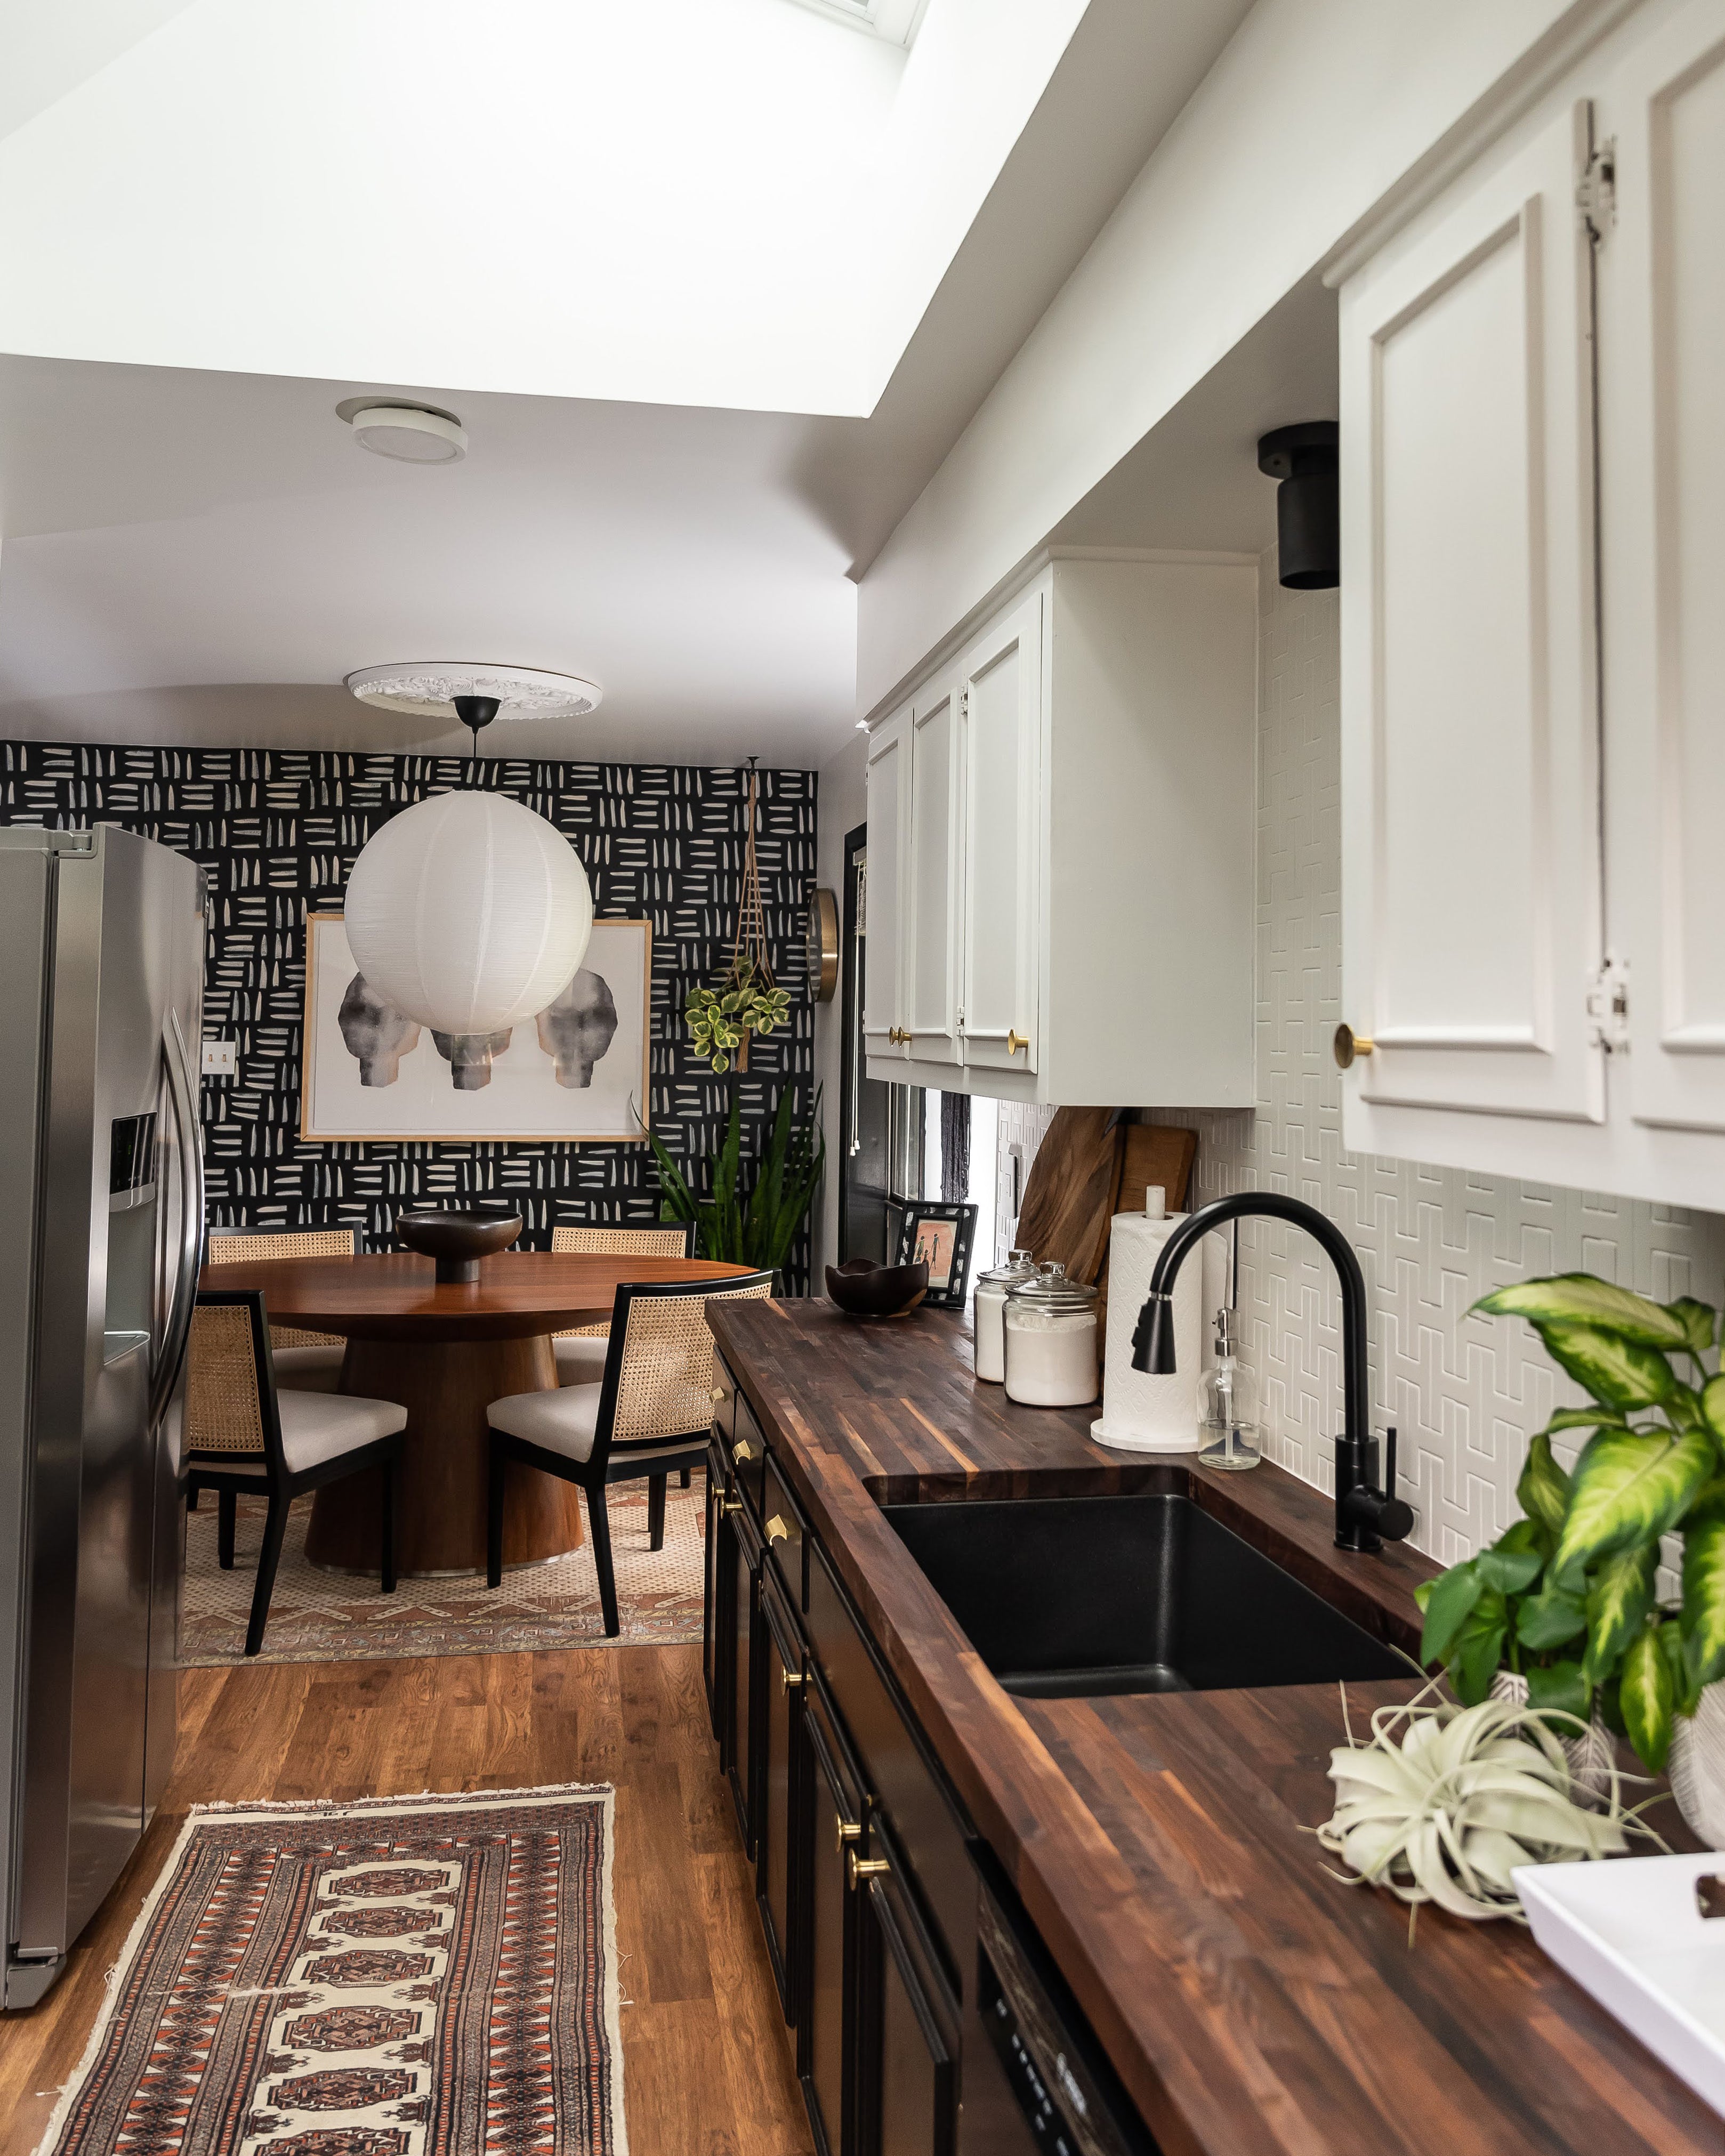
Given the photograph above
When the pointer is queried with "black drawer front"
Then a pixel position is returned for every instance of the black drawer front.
(748, 1453)
(724, 1397)
(927, 1828)
(785, 1532)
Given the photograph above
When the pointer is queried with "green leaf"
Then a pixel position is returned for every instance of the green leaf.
(1585, 1418)
(1617, 1370)
(1513, 1560)
(1449, 1603)
(1619, 1597)
(1477, 1654)
(1712, 1406)
(1548, 1621)
(1700, 1321)
(1560, 1688)
(1629, 1488)
(1704, 1595)
(1686, 1693)
(1583, 1299)
(1543, 1491)
(1647, 1698)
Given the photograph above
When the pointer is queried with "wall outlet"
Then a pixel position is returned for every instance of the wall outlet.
(218, 1058)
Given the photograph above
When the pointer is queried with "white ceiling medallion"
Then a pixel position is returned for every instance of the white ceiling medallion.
(411, 433)
(430, 686)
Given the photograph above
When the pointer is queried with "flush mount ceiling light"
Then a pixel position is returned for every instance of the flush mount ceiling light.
(411, 433)
(474, 692)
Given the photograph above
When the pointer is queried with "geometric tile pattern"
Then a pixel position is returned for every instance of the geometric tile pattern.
(1464, 1392)
(278, 831)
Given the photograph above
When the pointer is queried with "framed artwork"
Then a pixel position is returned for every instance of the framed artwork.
(942, 1234)
(576, 1072)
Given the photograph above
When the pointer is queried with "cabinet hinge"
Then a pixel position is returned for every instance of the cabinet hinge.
(964, 701)
(1608, 1007)
(1596, 191)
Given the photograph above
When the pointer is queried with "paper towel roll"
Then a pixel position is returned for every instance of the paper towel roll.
(1142, 1413)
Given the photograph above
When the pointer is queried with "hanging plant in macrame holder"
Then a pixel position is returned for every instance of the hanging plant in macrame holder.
(745, 1001)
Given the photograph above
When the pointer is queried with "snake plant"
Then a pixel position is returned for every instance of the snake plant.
(1568, 1596)
(757, 1227)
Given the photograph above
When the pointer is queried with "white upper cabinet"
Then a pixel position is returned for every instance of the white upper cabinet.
(1469, 781)
(1662, 379)
(1075, 879)
(885, 1035)
(1534, 650)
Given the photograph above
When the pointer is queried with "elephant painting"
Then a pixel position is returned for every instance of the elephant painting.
(377, 1033)
(579, 1027)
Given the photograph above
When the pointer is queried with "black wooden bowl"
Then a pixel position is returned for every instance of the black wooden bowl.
(863, 1289)
(457, 1240)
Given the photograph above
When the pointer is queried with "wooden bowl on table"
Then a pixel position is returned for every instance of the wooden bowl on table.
(457, 1240)
(862, 1289)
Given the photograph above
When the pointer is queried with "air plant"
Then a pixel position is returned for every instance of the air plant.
(1446, 1814)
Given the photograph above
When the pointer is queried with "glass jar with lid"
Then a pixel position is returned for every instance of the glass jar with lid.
(1051, 1333)
(990, 1293)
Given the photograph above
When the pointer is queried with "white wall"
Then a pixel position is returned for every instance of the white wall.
(841, 803)
(1466, 1393)
(1312, 111)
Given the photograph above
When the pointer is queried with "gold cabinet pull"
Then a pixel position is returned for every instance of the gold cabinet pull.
(720, 1396)
(777, 1530)
(848, 1831)
(864, 1867)
(729, 1502)
(1016, 1040)
(1348, 1043)
(789, 1680)
(743, 1449)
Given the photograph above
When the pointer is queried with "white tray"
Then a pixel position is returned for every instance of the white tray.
(1629, 1932)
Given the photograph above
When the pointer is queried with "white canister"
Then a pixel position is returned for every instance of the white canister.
(990, 1293)
(1051, 1328)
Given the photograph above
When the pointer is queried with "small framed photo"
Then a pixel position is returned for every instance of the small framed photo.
(941, 1234)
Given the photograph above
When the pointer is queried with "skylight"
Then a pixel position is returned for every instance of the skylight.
(895, 20)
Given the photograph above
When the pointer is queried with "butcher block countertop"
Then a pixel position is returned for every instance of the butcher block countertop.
(1252, 2004)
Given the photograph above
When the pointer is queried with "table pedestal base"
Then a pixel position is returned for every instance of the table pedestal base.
(445, 1386)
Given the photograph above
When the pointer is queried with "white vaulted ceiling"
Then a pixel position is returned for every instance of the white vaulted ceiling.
(713, 286)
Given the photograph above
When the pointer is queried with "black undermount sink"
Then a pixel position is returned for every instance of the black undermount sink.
(1073, 1597)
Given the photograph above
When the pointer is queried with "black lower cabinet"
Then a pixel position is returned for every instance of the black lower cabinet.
(736, 1654)
(906, 2020)
(777, 1858)
(830, 1828)
(710, 1629)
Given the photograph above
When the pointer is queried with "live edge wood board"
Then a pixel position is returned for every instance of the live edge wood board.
(1253, 2004)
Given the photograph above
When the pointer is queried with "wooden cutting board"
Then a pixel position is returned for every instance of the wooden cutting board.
(1155, 1152)
(1073, 1187)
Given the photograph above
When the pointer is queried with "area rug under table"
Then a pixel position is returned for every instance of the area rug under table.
(317, 1616)
(414, 1976)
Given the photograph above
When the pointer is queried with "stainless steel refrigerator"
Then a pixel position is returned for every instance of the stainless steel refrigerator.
(101, 1213)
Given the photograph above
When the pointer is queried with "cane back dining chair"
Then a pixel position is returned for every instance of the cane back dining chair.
(581, 1351)
(305, 1361)
(649, 1415)
(241, 1435)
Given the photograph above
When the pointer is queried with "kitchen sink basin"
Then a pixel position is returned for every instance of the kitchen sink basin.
(1072, 1597)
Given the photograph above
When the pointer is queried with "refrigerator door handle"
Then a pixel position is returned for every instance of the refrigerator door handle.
(177, 1332)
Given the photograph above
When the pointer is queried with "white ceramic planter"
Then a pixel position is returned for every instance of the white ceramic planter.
(1591, 1755)
(1697, 1766)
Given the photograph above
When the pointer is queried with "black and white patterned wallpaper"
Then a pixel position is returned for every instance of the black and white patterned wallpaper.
(278, 831)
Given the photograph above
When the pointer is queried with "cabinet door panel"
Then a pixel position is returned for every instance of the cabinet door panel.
(1662, 427)
(1469, 708)
(936, 856)
(885, 876)
(774, 1810)
(832, 1811)
(907, 2020)
(1001, 726)
(743, 1660)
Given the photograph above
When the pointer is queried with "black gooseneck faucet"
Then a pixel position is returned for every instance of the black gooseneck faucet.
(1366, 1516)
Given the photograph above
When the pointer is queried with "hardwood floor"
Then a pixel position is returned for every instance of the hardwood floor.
(708, 2064)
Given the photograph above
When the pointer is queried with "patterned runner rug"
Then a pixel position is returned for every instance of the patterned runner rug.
(323, 1617)
(414, 1976)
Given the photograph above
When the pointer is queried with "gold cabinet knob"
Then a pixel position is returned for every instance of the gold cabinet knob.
(1016, 1040)
(898, 1035)
(719, 1396)
(846, 1830)
(729, 1504)
(864, 1867)
(744, 1450)
(1348, 1043)
(789, 1680)
(777, 1530)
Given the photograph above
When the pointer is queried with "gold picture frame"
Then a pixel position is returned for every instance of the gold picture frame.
(368, 1075)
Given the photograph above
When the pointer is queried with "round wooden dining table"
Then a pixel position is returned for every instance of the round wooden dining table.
(444, 1353)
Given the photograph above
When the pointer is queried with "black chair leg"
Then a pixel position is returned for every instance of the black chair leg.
(685, 1478)
(494, 1514)
(386, 1555)
(192, 1498)
(226, 1500)
(599, 1521)
(655, 1510)
(275, 1528)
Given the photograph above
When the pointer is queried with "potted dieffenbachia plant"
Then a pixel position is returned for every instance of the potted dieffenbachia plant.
(1567, 1599)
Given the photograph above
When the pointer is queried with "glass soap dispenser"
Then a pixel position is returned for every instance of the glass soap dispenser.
(1227, 1405)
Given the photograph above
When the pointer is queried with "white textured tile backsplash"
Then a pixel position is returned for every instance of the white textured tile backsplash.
(1465, 1393)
